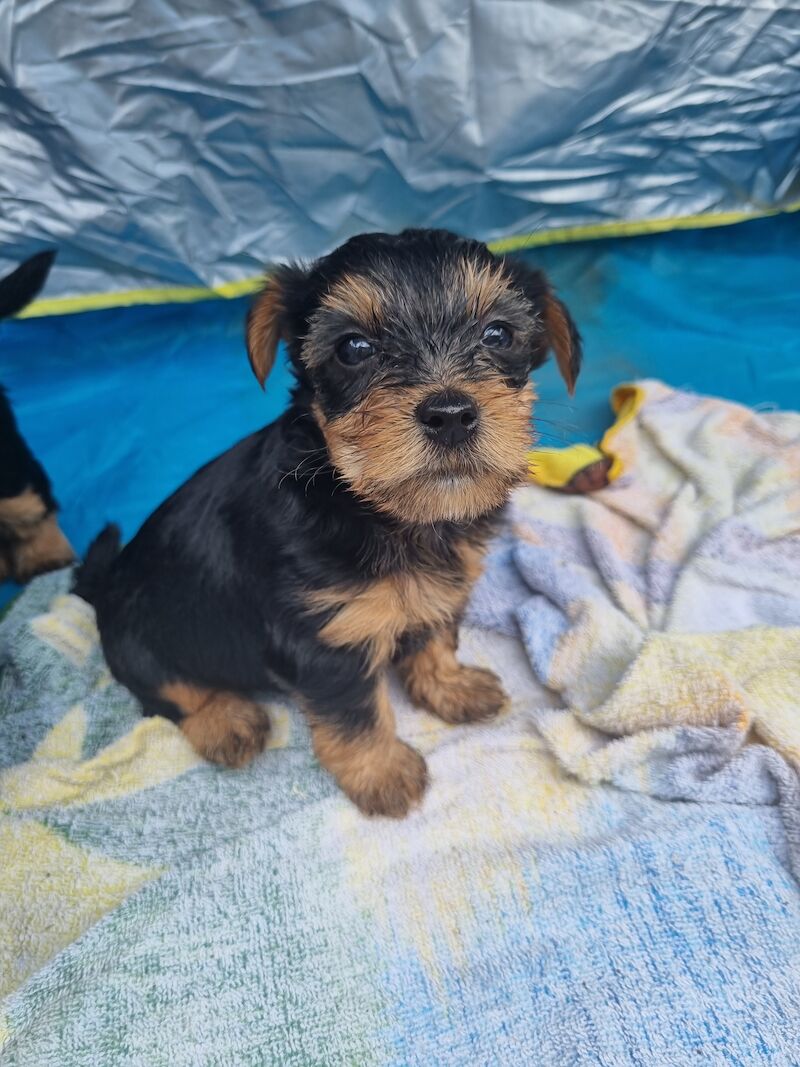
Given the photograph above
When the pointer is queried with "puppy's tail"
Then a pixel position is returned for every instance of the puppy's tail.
(19, 288)
(91, 576)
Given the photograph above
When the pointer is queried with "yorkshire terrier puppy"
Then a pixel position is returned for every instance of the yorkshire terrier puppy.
(344, 537)
(31, 540)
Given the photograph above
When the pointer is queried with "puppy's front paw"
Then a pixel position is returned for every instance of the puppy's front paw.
(469, 694)
(392, 784)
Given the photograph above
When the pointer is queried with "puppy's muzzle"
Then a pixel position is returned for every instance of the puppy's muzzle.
(448, 418)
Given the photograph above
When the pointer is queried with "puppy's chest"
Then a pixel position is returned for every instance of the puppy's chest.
(376, 613)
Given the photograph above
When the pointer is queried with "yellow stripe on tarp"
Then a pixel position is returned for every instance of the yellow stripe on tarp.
(593, 231)
(177, 294)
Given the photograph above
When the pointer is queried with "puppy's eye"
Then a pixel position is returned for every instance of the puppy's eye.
(354, 349)
(496, 335)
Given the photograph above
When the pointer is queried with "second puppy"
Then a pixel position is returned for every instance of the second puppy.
(31, 541)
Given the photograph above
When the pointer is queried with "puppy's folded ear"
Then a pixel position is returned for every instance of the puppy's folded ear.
(268, 318)
(560, 333)
(563, 338)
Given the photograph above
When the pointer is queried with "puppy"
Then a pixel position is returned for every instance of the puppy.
(345, 536)
(30, 538)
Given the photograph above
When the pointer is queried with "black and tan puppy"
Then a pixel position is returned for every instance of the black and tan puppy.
(31, 540)
(345, 536)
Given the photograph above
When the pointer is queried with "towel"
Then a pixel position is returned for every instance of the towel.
(665, 609)
(540, 907)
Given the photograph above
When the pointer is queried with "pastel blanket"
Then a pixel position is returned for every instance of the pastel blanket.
(158, 910)
(665, 609)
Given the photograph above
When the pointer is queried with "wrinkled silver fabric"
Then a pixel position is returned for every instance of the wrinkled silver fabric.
(184, 142)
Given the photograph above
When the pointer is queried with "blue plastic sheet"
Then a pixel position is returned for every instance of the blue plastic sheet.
(122, 405)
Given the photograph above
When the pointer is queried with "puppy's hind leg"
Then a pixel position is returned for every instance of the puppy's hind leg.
(222, 727)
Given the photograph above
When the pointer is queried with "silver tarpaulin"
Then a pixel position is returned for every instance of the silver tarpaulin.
(161, 143)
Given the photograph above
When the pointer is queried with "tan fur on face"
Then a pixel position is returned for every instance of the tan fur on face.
(45, 548)
(483, 284)
(222, 727)
(381, 451)
(35, 543)
(358, 298)
(457, 694)
(375, 614)
(380, 774)
(19, 515)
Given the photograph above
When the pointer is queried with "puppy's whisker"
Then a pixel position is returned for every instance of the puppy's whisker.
(559, 428)
(312, 451)
(559, 425)
(301, 416)
(556, 422)
(289, 474)
(297, 472)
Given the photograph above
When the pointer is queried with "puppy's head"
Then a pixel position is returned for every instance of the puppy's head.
(416, 352)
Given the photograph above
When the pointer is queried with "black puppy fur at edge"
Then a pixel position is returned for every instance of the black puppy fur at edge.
(23, 479)
(19, 468)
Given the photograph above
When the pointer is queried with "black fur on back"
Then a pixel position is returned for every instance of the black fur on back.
(19, 468)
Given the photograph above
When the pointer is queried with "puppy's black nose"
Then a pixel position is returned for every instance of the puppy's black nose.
(448, 418)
